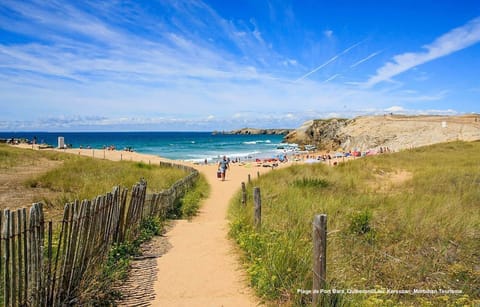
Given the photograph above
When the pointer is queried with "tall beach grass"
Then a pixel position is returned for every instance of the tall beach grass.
(403, 221)
(77, 177)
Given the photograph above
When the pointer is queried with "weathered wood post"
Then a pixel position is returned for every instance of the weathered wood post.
(6, 237)
(244, 194)
(319, 255)
(13, 255)
(25, 254)
(258, 174)
(48, 281)
(258, 207)
(249, 179)
(20, 256)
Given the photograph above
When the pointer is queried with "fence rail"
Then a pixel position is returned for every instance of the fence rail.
(44, 263)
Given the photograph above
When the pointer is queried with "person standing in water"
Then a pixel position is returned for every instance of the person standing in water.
(223, 166)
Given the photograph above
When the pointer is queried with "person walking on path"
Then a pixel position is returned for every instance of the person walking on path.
(223, 166)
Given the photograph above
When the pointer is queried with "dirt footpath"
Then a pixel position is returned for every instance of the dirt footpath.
(202, 268)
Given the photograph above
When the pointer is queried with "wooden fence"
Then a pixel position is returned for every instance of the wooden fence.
(44, 263)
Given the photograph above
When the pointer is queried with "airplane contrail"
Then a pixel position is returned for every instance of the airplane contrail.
(334, 58)
(365, 59)
(331, 78)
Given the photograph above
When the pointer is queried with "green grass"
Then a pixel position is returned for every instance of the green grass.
(78, 177)
(81, 177)
(11, 156)
(408, 220)
(190, 202)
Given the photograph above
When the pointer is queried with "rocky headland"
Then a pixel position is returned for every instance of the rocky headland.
(396, 132)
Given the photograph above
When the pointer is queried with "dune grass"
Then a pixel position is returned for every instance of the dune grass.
(11, 156)
(81, 177)
(402, 221)
(78, 177)
(190, 202)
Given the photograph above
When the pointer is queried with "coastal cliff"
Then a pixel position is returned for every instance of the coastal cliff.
(393, 131)
(322, 133)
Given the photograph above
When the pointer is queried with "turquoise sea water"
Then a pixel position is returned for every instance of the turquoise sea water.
(192, 146)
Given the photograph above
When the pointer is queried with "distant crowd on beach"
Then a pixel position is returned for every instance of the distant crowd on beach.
(308, 157)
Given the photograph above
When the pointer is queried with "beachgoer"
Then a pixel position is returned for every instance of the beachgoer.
(223, 166)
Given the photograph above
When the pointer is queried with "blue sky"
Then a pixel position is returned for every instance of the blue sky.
(213, 65)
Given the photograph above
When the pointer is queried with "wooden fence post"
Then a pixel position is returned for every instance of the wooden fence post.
(13, 255)
(319, 255)
(258, 174)
(6, 237)
(20, 257)
(25, 255)
(49, 265)
(249, 178)
(244, 194)
(258, 207)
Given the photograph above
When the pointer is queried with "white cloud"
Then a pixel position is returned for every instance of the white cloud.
(171, 79)
(290, 62)
(396, 109)
(452, 41)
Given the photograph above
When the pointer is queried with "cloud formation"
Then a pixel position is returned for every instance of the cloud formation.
(101, 65)
(450, 42)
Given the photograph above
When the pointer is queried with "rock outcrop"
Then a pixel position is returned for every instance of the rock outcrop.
(322, 133)
(395, 132)
(260, 131)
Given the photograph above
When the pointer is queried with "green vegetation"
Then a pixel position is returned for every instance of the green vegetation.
(11, 156)
(187, 206)
(402, 221)
(78, 177)
(190, 202)
(81, 177)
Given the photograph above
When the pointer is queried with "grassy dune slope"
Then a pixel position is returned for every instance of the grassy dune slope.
(402, 221)
(77, 177)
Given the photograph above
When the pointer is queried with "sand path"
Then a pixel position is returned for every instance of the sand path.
(202, 268)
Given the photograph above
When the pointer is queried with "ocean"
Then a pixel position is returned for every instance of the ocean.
(190, 146)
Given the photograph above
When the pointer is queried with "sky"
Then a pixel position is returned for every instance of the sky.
(220, 65)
